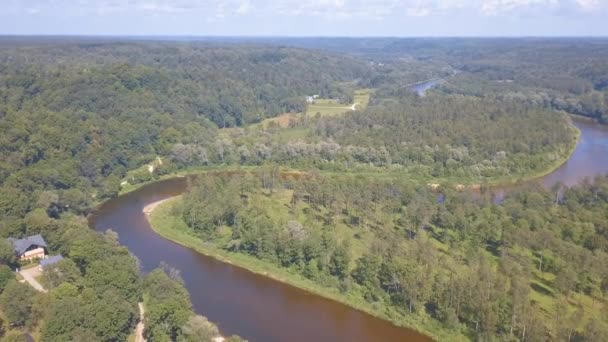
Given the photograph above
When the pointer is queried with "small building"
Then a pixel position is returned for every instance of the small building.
(30, 248)
(51, 260)
(310, 99)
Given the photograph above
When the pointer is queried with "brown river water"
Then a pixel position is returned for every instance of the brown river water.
(261, 309)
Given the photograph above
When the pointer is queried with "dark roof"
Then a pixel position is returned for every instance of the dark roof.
(50, 260)
(22, 245)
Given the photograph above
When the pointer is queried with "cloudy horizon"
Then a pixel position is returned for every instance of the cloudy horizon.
(313, 18)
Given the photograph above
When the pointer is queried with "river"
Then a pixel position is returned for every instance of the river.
(588, 160)
(240, 302)
(261, 309)
(422, 87)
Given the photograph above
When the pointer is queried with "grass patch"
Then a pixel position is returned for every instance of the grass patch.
(327, 110)
(28, 265)
(322, 106)
(291, 134)
(361, 98)
(546, 298)
(40, 279)
(281, 121)
(330, 107)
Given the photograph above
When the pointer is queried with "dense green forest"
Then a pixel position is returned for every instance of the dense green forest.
(80, 117)
(459, 138)
(531, 268)
(124, 104)
(74, 118)
(227, 85)
(568, 74)
(563, 74)
(453, 136)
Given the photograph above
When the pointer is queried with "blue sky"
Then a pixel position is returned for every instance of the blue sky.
(306, 18)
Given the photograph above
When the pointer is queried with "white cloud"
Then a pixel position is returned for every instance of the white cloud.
(244, 7)
(494, 7)
(419, 11)
(32, 10)
(589, 5)
(327, 9)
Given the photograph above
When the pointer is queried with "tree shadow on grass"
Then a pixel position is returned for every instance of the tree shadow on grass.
(541, 289)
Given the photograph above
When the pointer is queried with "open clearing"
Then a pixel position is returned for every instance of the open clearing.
(324, 107)
(328, 107)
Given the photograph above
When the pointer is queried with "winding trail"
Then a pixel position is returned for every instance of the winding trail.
(139, 328)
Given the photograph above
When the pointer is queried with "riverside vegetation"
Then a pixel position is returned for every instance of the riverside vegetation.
(79, 117)
(463, 265)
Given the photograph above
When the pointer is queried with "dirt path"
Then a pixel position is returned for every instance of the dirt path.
(332, 107)
(139, 329)
(29, 275)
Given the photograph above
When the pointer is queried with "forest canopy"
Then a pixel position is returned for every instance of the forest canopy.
(537, 264)
(83, 119)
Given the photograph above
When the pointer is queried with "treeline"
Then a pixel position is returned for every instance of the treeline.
(229, 85)
(463, 138)
(532, 268)
(75, 116)
(94, 292)
(563, 74)
(593, 104)
(456, 136)
(568, 74)
(568, 65)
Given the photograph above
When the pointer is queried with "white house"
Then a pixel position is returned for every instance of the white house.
(32, 247)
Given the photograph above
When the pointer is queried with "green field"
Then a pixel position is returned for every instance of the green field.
(362, 98)
(324, 107)
(329, 107)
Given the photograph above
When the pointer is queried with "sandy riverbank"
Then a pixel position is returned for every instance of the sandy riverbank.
(151, 206)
